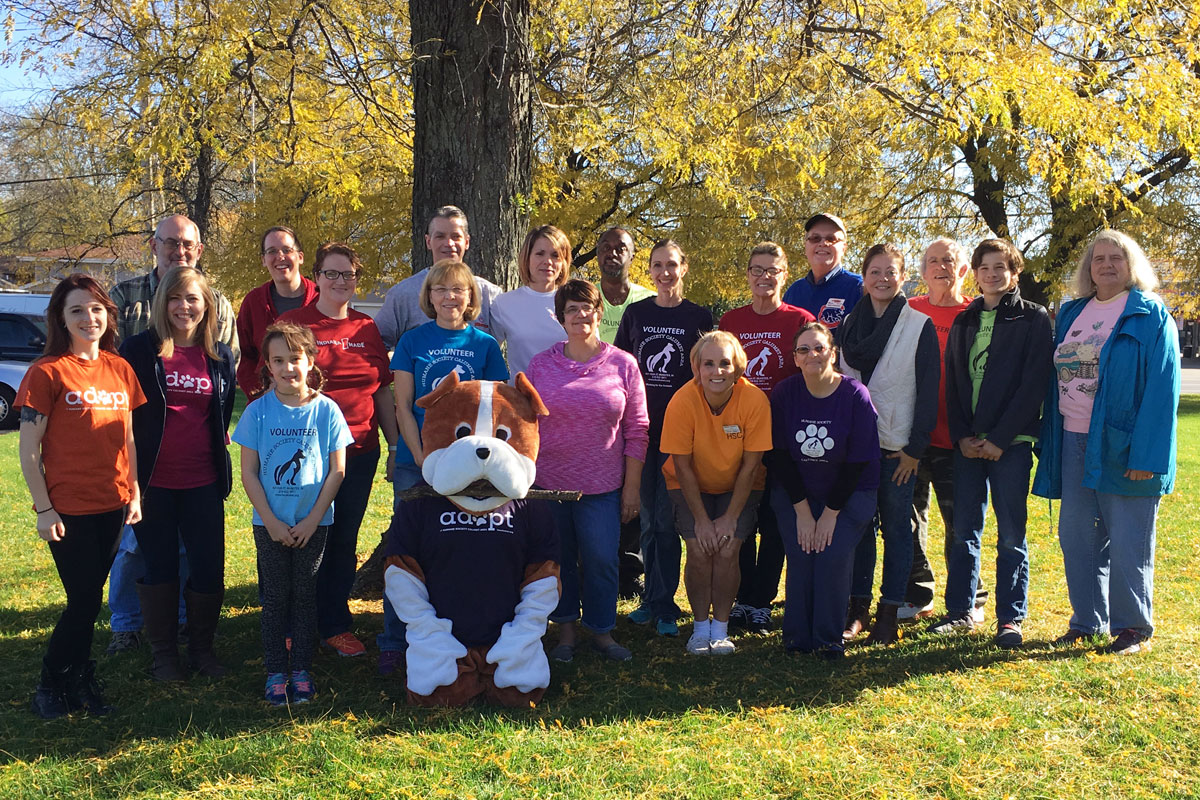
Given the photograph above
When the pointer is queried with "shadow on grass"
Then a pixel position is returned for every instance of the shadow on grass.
(661, 681)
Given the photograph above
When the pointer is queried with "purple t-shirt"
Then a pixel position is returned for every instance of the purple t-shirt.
(661, 340)
(822, 433)
(474, 565)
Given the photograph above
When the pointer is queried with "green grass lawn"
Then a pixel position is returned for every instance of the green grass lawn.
(924, 718)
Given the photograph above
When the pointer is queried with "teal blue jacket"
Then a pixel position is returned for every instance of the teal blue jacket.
(1135, 409)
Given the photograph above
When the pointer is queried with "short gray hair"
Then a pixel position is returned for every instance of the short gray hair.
(956, 251)
(1141, 274)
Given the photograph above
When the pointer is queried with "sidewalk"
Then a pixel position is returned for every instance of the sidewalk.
(1191, 376)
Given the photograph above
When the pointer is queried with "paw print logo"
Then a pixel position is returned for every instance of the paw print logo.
(188, 382)
(814, 440)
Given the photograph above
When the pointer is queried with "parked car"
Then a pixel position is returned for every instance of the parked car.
(22, 336)
(11, 374)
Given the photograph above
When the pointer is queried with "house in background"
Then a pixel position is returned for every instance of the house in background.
(109, 263)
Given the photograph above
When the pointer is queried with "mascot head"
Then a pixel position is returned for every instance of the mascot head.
(481, 441)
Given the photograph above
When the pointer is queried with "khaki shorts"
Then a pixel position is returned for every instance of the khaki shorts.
(715, 504)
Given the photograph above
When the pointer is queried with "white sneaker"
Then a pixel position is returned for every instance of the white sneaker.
(721, 647)
(698, 645)
(913, 611)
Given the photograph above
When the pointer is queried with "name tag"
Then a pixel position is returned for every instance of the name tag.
(733, 431)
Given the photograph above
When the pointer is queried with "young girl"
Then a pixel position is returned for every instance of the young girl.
(293, 442)
(82, 474)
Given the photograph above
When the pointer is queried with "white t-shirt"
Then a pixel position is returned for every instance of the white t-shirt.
(525, 321)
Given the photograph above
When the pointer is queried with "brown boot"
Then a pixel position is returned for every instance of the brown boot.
(885, 630)
(203, 611)
(858, 617)
(160, 610)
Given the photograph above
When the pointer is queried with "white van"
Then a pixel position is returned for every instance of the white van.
(24, 303)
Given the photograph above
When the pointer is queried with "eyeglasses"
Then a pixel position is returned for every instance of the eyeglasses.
(816, 238)
(452, 291)
(271, 252)
(770, 272)
(818, 351)
(174, 244)
(583, 310)
(333, 275)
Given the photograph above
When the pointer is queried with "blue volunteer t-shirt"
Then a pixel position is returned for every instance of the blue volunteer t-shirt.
(293, 446)
(430, 353)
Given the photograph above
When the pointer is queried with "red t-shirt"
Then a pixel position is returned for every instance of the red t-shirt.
(185, 456)
(87, 405)
(355, 363)
(767, 340)
(943, 318)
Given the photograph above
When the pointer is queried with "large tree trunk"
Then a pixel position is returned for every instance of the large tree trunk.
(472, 100)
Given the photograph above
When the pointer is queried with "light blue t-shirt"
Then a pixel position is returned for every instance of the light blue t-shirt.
(293, 446)
(430, 353)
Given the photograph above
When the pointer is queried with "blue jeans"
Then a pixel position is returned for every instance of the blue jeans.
(336, 576)
(127, 569)
(894, 519)
(590, 530)
(404, 476)
(661, 548)
(1107, 542)
(1008, 481)
(817, 588)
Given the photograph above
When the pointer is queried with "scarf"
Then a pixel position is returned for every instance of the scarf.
(862, 336)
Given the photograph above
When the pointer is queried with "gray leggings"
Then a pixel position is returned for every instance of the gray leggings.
(288, 585)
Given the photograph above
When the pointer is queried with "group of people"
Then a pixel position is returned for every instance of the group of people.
(807, 423)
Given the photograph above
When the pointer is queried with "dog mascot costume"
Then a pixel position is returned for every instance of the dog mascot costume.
(473, 576)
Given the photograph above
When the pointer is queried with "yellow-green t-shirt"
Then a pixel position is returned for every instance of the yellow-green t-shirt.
(612, 314)
(977, 360)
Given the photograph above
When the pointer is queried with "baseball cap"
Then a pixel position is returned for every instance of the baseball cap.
(833, 219)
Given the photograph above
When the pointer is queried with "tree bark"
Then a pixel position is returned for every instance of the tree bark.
(472, 147)
(472, 102)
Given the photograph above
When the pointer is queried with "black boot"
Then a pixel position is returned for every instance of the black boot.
(160, 610)
(858, 617)
(85, 692)
(203, 611)
(886, 630)
(50, 699)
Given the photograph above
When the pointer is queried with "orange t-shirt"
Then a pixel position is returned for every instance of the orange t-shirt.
(716, 442)
(87, 405)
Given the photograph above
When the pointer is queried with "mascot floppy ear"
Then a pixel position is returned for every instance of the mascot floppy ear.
(448, 385)
(535, 400)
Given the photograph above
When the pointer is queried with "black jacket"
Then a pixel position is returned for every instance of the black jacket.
(1019, 363)
(150, 419)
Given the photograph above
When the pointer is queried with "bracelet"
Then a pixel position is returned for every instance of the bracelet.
(43, 511)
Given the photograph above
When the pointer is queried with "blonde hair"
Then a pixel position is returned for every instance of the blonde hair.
(176, 281)
(1141, 273)
(725, 339)
(561, 244)
(444, 272)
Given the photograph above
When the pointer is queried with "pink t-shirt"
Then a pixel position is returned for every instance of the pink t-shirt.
(185, 459)
(767, 340)
(1077, 360)
(597, 418)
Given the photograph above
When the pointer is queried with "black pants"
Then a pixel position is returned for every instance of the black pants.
(761, 563)
(336, 578)
(83, 558)
(197, 516)
(936, 471)
(288, 585)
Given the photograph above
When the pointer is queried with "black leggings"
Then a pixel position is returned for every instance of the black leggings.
(288, 585)
(83, 558)
(197, 516)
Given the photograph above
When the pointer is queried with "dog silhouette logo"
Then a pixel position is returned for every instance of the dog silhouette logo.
(757, 365)
(292, 464)
(661, 361)
(458, 370)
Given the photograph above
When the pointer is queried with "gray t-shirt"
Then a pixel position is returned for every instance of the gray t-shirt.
(402, 312)
(286, 304)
